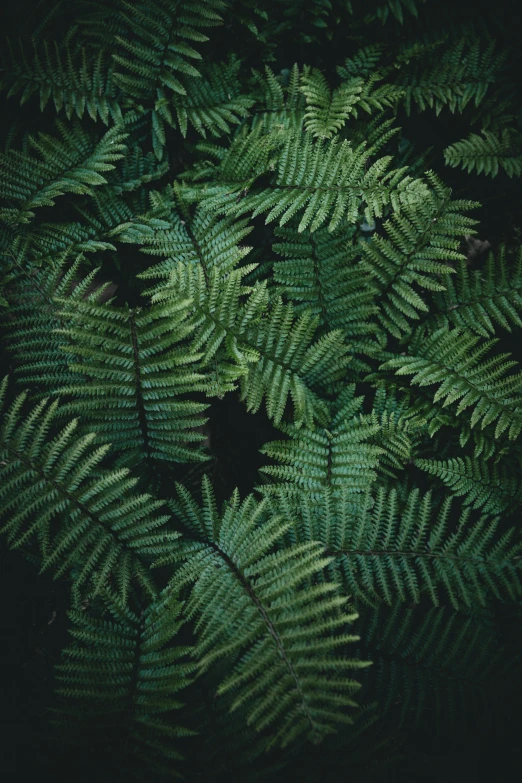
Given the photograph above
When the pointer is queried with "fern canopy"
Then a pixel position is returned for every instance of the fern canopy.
(261, 414)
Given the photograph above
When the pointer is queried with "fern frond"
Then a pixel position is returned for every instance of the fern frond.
(280, 102)
(401, 425)
(482, 300)
(84, 518)
(152, 49)
(77, 82)
(33, 317)
(329, 180)
(338, 456)
(272, 354)
(392, 552)
(460, 72)
(453, 360)
(394, 9)
(104, 220)
(487, 153)
(213, 102)
(363, 63)
(70, 164)
(201, 239)
(420, 244)
(327, 111)
(119, 683)
(278, 632)
(136, 169)
(491, 488)
(136, 366)
(319, 273)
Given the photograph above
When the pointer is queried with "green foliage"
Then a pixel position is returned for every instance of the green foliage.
(71, 164)
(272, 353)
(488, 153)
(491, 488)
(213, 265)
(334, 182)
(338, 456)
(453, 359)
(281, 631)
(31, 320)
(460, 73)
(391, 551)
(129, 664)
(133, 368)
(421, 244)
(320, 274)
(327, 113)
(213, 104)
(151, 45)
(104, 529)
(76, 83)
(482, 300)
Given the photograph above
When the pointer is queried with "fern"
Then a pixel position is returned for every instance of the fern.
(452, 359)
(30, 335)
(152, 49)
(487, 153)
(119, 681)
(460, 73)
(482, 300)
(273, 357)
(326, 113)
(289, 292)
(71, 164)
(213, 104)
(339, 456)
(423, 241)
(76, 83)
(92, 524)
(280, 101)
(281, 631)
(394, 9)
(489, 488)
(388, 552)
(319, 274)
(135, 368)
(328, 181)
(201, 239)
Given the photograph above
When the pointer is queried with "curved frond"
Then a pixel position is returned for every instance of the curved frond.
(482, 300)
(420, 245)
(277, 630)
(119, 684)
(70, 164)
(272, 354)
(85, 519)
(488, 153)
(329, 179)
(76, 82)
(490, 488)
(389, 551)
(453, 359)
(136, 368)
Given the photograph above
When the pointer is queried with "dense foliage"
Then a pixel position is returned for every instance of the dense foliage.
(217, 212)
